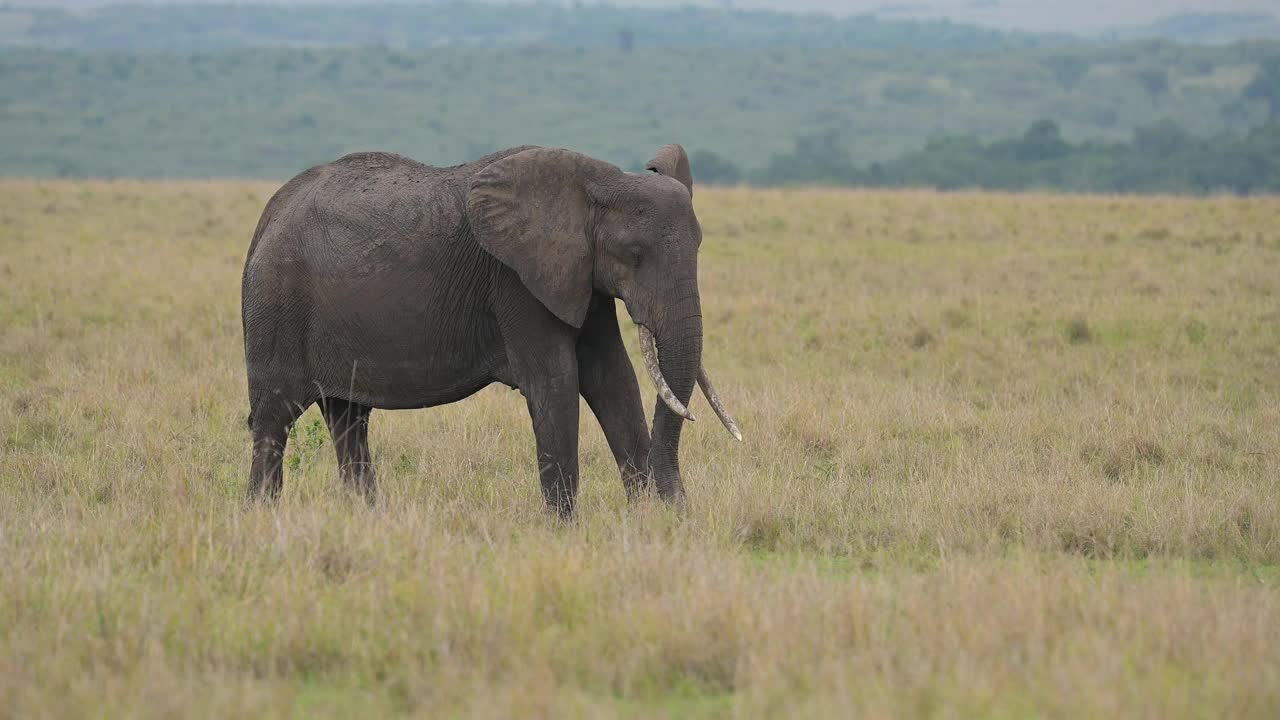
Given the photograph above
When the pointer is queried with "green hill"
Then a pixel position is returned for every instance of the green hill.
(270, 113)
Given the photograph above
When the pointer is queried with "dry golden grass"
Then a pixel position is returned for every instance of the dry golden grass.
(1006, 456)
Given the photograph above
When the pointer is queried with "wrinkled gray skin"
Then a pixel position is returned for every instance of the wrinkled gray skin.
(377, 282)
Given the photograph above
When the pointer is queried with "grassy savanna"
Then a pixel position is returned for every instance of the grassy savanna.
(1005, 456)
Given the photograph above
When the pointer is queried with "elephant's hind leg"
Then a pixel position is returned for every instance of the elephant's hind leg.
(270, 423)
(349, 427)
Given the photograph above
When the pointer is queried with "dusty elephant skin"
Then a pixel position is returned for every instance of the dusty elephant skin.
(377, 282)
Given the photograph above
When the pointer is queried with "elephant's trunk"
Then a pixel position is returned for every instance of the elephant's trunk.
(679, 361)
(649, 350)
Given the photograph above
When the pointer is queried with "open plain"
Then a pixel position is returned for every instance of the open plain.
(1006, 456)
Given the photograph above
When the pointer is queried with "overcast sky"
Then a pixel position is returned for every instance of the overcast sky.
(1076, 16)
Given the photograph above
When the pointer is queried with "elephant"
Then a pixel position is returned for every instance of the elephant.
(378, 282)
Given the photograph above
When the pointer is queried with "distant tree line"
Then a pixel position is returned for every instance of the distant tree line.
(1160, 158)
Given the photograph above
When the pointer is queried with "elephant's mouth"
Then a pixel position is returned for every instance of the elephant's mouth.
(649, 350)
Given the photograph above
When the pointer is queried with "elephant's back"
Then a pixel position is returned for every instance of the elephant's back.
(392, 172)
(367, 210)
(365, 213)
(382, 170)
(361, 213)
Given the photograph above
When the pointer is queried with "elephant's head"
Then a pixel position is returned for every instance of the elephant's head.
(571, 225)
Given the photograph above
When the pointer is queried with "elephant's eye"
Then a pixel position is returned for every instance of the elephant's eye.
(636, 255)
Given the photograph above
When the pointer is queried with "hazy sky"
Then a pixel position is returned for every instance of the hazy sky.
(1076, 16)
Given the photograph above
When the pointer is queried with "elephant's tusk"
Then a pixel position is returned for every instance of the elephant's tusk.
(704, 382)
(650, 353)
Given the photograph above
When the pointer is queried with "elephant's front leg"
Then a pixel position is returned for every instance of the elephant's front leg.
(542, 363)
(553, 406)
(608, 383)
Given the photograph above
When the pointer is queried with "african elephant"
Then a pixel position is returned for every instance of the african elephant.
(375, 281)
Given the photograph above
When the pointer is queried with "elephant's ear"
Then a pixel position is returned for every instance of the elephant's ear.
(531, 210)
(672, 161)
